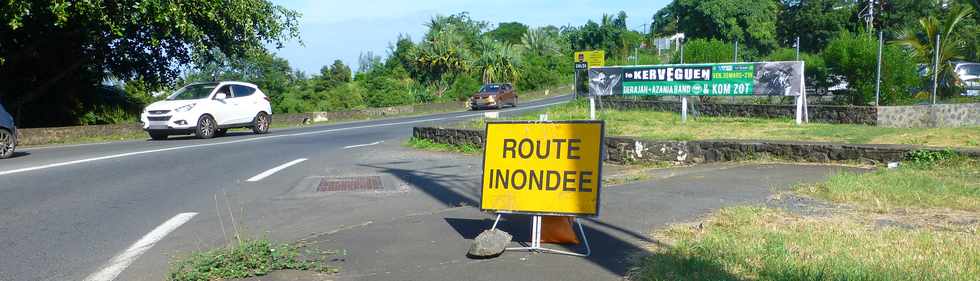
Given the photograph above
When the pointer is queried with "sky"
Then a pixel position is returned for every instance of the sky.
(332, 30)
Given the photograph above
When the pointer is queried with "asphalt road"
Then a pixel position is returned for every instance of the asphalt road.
(120, 210)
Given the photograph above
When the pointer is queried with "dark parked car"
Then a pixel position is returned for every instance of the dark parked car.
(495, 96)
(8, 134)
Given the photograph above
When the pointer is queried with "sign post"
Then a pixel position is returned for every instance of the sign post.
(586, 59)
(684, 109)
(541, 168)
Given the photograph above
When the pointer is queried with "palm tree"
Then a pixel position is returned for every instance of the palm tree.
(497, 62)
(952, 45)
(443, 54)
(538, 41)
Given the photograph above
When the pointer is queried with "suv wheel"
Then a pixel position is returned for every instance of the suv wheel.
(158, 136)
(261, 123)
(7, 144)
(514, 103)
(206, 127)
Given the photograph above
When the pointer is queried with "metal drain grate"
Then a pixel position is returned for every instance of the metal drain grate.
(342, 184)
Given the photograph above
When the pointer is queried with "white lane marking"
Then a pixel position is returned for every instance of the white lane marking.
(107, 157)
(363, 145)
(275, 170)
(117, 264)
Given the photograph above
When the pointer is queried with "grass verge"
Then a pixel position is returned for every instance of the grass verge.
(952, 184)
(917, 222)
(424, 144)
(752, 243)
(248, 259)
(668, 126)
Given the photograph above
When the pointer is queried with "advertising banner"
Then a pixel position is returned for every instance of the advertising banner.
(724, 79)
(542, 167)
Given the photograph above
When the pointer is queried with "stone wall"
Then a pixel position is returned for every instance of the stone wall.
(631, 150)
(818, 113)
(450, 136)
(40, 136)
(52, 135)
(931, 116)
(367, 113)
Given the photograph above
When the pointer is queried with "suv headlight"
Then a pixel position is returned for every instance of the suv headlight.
(185, 108)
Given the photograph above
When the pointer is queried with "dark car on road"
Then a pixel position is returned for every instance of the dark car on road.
(494, 96)
(8, 134)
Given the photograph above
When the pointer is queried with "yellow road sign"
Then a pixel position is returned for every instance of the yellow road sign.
(543, 167)
(593, 58)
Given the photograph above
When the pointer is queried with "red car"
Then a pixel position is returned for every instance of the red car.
(494, 96)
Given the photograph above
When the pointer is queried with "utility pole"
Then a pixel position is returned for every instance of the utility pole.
(735, 57)
(735, 60)
(797, 45)
(935, 69)
(683, 98)
(878, 79)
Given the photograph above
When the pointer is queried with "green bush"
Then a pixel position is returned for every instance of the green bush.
(539, 72)
(344, 97)
(707, 51)
(380, 90)
(106, 114)
(853, 57)
(925, 158)
(463, 87)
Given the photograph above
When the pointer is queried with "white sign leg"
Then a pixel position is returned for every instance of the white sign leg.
(799, 110)
(591, 108)
(684, 109)
(535, 246)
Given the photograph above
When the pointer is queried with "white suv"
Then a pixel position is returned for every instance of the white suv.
(208, 110)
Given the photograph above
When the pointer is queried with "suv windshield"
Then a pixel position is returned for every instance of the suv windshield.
(970, 69)
(193, 91)
(490, 88)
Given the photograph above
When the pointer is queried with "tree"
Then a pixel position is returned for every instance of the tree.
(508, 32)
(461, 25)
(496, 62)
(271, 73)
(816, 22)
(898, 15)
(852, 57)
(444, 53)
(540, 42)
(333, 76)
(752, 23)
(54, 52)
(610, 34)
(953, 44)
(707, 51)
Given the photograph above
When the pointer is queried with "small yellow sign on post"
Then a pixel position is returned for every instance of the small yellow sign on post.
(593, 58)
(541, 167)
